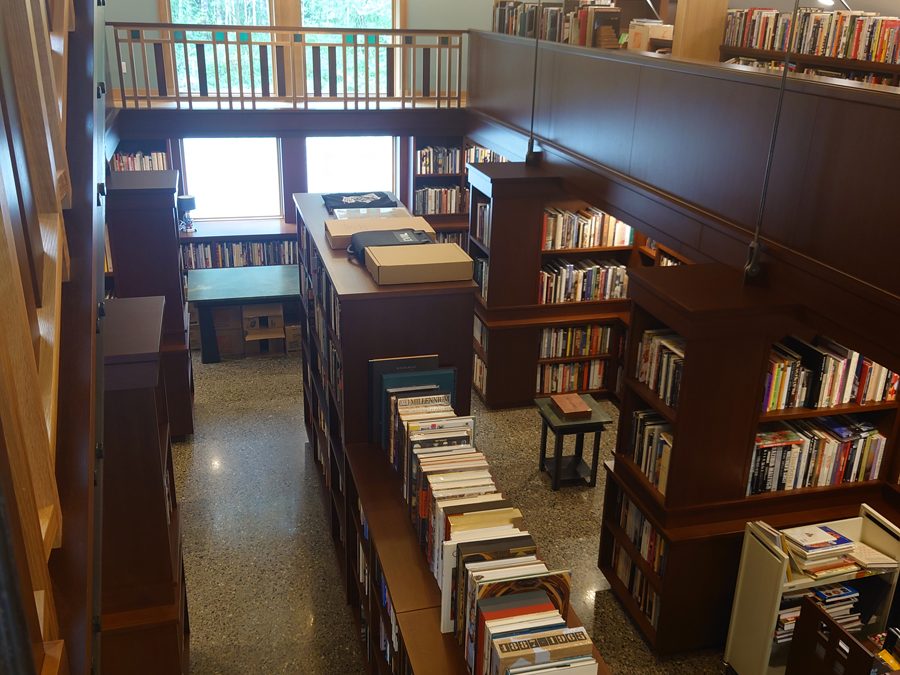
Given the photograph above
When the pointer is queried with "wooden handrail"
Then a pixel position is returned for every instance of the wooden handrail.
(170, 65)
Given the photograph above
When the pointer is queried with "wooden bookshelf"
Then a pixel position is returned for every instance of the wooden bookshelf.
(343, 311)
(144, 599)
(438, 178)
(728, 331)
(813, 60)
(239, 243)
(517, 195)
(143, 236)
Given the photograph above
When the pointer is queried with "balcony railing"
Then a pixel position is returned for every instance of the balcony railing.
(189, 66)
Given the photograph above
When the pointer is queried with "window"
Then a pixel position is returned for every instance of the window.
(233, 177)
(347, 13)
(350, 163)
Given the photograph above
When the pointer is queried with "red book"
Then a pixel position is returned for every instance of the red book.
(582, 27)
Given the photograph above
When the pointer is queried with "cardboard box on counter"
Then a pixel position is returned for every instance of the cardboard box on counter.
(418, 264)
(339, 232)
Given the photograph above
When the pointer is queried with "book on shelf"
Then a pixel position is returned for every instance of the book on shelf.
(479, 374)
(442, 379)
(816, 541)
(140, 161)
(819, 452)
(237, 254)
(651, 440)
(559, 378)
(476, 154)
(437, 160)
(440, 200)
(641, 591)
(855, 35)
(483, 223)
(642, 534)
(459, 238)
(823, 374)
(575, 341)
(587, 228)
(480, 333)
(661, 363)
(480, 273)
(559, 650)
(587, 280)
(379, 367)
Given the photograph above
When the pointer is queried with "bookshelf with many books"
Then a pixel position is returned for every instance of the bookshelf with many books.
(856, 45)
(438, 183)
(735, 407)
(552, 280)
(148, 155)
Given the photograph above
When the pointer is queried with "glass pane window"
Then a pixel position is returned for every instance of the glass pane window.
(233, 177)
(350, 163)
(347, 13)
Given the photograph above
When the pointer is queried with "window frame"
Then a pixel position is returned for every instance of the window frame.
(287, 12)
(279, 155)
(396, 178)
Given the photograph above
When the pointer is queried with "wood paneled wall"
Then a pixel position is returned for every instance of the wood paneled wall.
(679, 150)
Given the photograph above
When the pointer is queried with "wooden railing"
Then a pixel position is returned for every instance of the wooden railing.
(258, 67)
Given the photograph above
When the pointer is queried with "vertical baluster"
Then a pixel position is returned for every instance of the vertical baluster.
(252, 69)
(187, 68)
(378, 71)
(175, 84)
(280, 83)
(119, 61)
(389, 66)
(317, 71)
(413, 92)
(227, 49)
(162, 86)
(132, 34)
(200, 49)
(426, 72)
(437, 74)
(264, 70)
(143, 46)
(332, 71)
(240, 62)
(459, 66)
(215, 51)
(344, 38)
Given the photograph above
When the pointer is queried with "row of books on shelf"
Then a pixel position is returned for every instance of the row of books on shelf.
(823, 373)
(483, 223)
(505, 606)
(238, 254)
(139, 161)
(651, 442)
(649, 543)
(819, 452)
(588, 24)
(479, 374)
(459, 238)
(444, 200)
(476, 154)
(864, 36)
(777, 66)
(661, 363)
(641, 590)
(588, 228)
(480, 274)
(480, 333)
(582, 281)
(435, 160)
(574, 341)
(560, 378)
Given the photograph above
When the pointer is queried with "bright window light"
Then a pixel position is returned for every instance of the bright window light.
(233, 177)
(350, 163)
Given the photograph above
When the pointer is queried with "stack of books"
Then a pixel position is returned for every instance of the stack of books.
(506, 607)
(839, 601)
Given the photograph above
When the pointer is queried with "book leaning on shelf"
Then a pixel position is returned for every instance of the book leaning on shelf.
(506, 607)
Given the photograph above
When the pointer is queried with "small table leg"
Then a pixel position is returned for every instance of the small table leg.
(209, 346)
(595, 458)
(557, 459)
(541, 462)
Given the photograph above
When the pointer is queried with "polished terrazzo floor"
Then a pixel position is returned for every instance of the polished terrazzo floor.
(263, 588)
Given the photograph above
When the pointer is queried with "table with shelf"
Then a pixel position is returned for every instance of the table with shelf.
(211, 288)
(571, 469)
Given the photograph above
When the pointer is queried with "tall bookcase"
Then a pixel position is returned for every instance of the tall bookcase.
(145, 627)
(509, 320)
(347, 319)
(678, 590)
(143, 236)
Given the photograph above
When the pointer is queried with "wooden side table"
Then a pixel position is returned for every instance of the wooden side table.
(571, 469)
